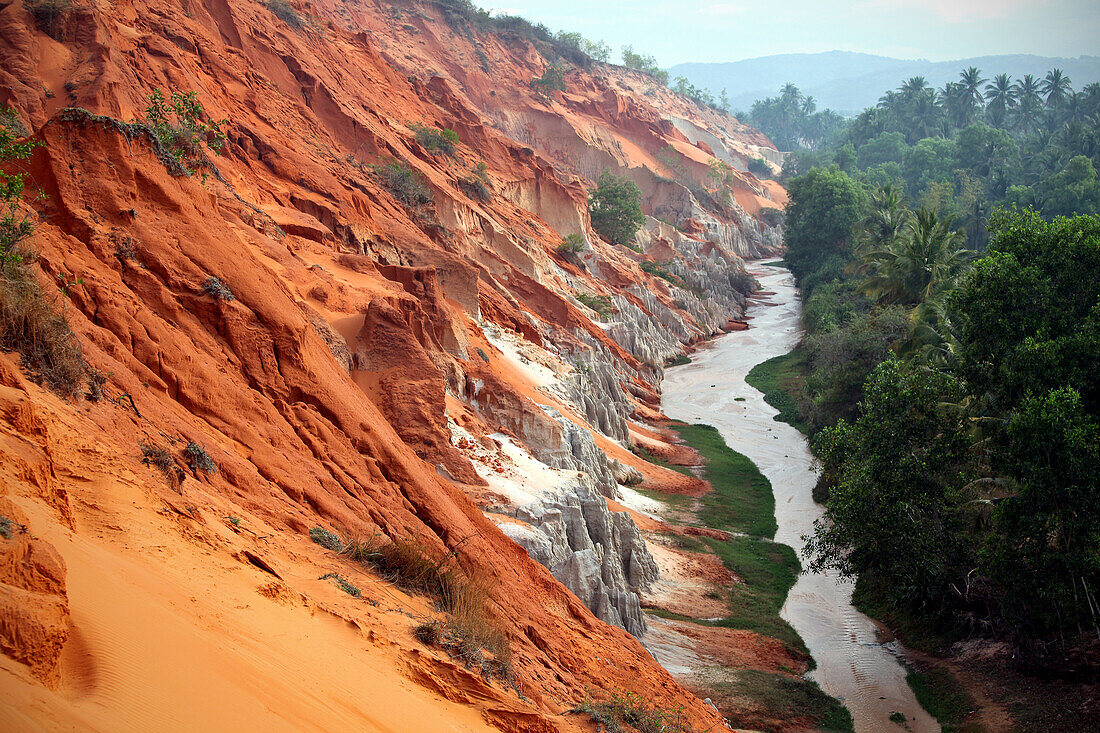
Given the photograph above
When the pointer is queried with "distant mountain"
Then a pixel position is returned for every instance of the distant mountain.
(849, 82)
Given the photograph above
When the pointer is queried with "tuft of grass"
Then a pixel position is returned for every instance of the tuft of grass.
(942, 695)
(326, 539)
(896, 717)
(777, 697)
(429, 632)
(630, 709)
(343, 584)
(198, 459)
(154, 455)
(215, 288)
(403, 183)
(742, 499)
(9, 527)
(780, 379)
(678, 360)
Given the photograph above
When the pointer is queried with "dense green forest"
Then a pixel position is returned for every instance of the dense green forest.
(948, 249)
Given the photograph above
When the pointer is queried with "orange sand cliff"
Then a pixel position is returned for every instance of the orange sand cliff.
(364, 342)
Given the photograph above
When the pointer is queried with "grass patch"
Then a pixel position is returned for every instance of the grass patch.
(630, 709)
(774, 263)
(343, 584)
(742, 499)
(678, 360)
(776, 697)
(780, 379)
(769, 569)
(940, 694)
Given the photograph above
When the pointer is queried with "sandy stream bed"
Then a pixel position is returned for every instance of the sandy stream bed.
(852, 664)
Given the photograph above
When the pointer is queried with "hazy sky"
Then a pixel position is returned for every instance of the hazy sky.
(676, 31)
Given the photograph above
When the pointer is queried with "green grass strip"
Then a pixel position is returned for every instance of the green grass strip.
(742, 499)
(780, 378)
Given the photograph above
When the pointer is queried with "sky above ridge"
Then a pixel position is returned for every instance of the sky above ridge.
(678, 31)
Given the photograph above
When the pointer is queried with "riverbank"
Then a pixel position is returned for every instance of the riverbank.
(853, 662)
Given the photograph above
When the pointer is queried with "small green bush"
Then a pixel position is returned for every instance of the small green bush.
(215, 288)
(600, 303)
(435, 139)
(655, 269)
(285, 12)
(326, 539)
(759, 168)
(403, 183)
(475, 188)
(572, 244)
(157, 457)
(178, 123)
(553, 78)
(628, 708)
(198, 459)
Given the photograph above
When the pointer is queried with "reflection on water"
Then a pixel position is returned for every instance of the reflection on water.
(853, 663)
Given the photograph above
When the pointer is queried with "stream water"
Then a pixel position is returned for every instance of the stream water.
(852, 662)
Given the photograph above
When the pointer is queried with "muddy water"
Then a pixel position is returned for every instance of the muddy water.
(852, 664)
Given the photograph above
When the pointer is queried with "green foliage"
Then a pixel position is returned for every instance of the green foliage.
(644, 63)
(572, 244)
(198, 459)
(285, 12)
(657, 270)
(476, 185)
(894, 478)
(942, 695)
(782, 381)
(742, 499)
(552, 79)
(824, 206)
(678, 360)
(30, 322)
(615, 208)
(157, 457)
(437, 140)
(343, 584)
(404, 184)
(178, 124)
(772, 697)
(628, 708)
(326, 539)
(48, 15)
(759, 168)
(215, 288)
(600, 303)
(701, 97)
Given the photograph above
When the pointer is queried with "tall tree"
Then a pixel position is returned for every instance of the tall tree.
(1055, 87)
(1000, 97)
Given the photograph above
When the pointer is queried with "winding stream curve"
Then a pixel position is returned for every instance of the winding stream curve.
(852, 664)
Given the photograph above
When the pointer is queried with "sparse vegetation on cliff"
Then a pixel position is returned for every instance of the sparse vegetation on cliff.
(30, 321)
(437, 140)
(48, 15)
(616, 208)
(403, 183)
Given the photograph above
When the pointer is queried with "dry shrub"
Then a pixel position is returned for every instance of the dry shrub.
(33, 326)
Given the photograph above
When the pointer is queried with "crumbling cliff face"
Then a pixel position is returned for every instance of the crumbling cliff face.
(381, 354)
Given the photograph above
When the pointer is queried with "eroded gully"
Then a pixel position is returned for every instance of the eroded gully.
(852, 664)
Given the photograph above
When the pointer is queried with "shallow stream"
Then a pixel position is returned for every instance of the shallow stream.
(852, 663)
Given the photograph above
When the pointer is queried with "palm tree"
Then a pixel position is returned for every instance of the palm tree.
(956, 103)
(925, 260)
(1029, 104)
(1000, 99)
(1055, 87)
(971, 81)
(925, 115)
